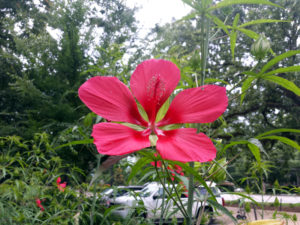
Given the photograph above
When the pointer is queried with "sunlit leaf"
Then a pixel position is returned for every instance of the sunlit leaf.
(253, 22)
(226, 3)
(246, 85)
(214, 80)
(249, 33)
(282, 130)
(277, 59)
(283, 140)
(283, 70)
(233, 36)
(284, 83)
(218, 22)
(255, 151)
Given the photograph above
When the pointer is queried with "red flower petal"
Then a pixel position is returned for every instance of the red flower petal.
(152, 82)
(111, 99)
(185, 145)
(197, 105)
(117, 139)
(58, 181)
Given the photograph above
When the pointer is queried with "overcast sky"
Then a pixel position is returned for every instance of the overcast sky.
(157, 11)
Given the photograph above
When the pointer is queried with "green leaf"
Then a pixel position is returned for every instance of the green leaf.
(283, 70)
(250, 73)
(236, 20)
(81, 142)
(249, 33)
(138, 166)
(277, 59)
(162, 111)
(187, 17)
(222, 209)
(255, 151)
(282, 130)
(283, 140)
(233, 36)
(214, 80)
(226, 3)
(232, 144)
(218, 22)
(253, 22)
(246, 85)
(284, 83)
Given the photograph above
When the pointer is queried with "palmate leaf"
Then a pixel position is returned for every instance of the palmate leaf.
(284, 83)
(277, 59)
(253, 22)
(283, 140)
(281, 130)
(218, 22)
(226, 3)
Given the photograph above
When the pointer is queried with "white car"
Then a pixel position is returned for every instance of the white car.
(150, 201)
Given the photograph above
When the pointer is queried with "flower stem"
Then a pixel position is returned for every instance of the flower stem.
(94, 196)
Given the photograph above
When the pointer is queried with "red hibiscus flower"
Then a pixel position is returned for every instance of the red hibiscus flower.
(151, 84)
(61, 186)
(39, 204)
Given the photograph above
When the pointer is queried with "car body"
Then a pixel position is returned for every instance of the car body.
(150, 198)
(109, 195)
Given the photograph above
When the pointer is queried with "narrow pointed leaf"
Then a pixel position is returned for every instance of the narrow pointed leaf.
(236, 20)
(282, 130)
(233, 37)
(214, 80)
(250, 73)
(255, 151)
(253, 22)
(233, 143)
(249, 33)
(277, 59)
(284, 83)
(283, 70)
(138, 166)
(283, 140)
(226, 3)
(81, 142)
(246, 85)
(222, 209)
(218, 22)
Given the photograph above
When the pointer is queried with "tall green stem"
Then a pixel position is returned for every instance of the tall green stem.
(92, 213)
(205, 27)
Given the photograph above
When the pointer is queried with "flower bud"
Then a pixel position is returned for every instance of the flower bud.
(260, 47)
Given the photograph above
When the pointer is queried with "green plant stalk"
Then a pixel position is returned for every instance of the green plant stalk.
(169, 194)
(262, 195)
(163, 199)
(191, 196)
(94, 196)
(205, 26)
(176, 192)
